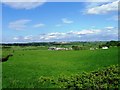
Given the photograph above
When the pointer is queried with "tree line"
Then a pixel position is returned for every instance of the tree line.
(73, 44)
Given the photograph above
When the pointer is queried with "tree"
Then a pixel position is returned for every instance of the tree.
(75, 48)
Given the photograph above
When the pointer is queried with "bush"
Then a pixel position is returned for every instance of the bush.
(75, 48)
(102, 79)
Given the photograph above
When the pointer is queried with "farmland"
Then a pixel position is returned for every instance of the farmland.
(27, 66)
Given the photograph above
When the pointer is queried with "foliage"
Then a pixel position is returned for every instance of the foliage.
(102, 79)
(110, 43)
(75, 48)
(54, 44)
(113, 43)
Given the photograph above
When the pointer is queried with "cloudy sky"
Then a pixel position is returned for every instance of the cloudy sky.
(59, 21)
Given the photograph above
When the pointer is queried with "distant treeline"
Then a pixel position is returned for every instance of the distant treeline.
(34, 44)
(100, 43)
(110, 43)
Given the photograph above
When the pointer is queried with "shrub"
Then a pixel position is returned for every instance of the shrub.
(101, 79)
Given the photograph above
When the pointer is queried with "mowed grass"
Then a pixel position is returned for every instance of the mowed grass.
(27, 66)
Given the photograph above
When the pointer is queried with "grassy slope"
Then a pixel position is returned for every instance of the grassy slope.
(28, 65)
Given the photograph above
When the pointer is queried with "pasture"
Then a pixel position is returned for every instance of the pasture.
(25, 67)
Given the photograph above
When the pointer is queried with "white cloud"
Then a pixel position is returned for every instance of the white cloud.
(23, 0)
(54, 35)
(28, 37)
(109, 27)
(49, 37)
(19, 24)
(25, 5)
(57, 0)
(39, 25)
(99, 0)
(64, 21)
(63, 36)
(88, 35)
(67, 21)
(104, 8)
(85, 32)
(15, 38)
(107, 33)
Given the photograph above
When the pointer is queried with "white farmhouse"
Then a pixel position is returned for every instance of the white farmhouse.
(58, 48)
(105, 47)
(92, 48)
(51, 48)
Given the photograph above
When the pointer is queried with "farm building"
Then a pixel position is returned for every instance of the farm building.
(51, 48)
(58, 48)
(105, 47)
(92, 48)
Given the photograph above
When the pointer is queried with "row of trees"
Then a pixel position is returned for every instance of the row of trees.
(35, 44)
(74, 45)
(111, 43)
(108, 44)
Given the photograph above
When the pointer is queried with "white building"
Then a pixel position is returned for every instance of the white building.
(92, 48)
(105, 47)
(58, 48)
(51, 48)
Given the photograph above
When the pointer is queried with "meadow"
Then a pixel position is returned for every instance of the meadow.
(26, 66)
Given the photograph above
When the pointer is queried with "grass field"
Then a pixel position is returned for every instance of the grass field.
(27, 66)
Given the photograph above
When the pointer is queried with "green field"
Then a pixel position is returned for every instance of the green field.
(27, 66)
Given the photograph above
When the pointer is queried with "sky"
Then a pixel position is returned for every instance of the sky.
(59, 21)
